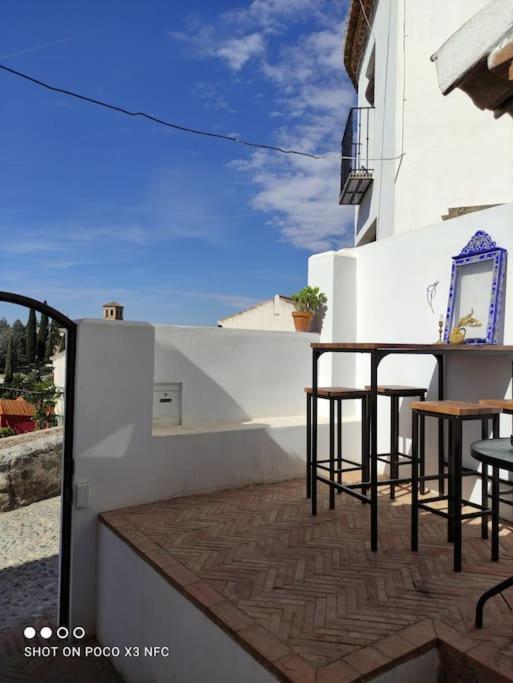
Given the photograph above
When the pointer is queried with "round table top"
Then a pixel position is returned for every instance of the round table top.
(495, 451)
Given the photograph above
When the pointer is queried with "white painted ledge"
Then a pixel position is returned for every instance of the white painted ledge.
(257, 423)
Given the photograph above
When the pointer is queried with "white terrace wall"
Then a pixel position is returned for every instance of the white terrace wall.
(230, 374)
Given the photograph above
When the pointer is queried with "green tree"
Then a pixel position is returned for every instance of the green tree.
(18, 342)
(9, 365)
(52, 341)
(31, 338)
(4, 339)
(42, 337)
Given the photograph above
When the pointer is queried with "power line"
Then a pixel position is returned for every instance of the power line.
(176, 126)
(155, 119)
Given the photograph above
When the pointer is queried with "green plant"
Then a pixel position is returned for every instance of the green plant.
(6, 431)
(309, 299)
(31, 338)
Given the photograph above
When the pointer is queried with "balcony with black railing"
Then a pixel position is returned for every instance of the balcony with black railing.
(355, 174)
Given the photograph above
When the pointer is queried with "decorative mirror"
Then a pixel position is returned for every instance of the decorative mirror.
(474, 309)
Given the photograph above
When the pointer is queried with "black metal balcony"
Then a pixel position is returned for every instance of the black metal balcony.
(355, 174)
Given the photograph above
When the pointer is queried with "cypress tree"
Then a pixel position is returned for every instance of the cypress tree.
(52, 341)
(18, 342)
(9, 366)
(4, 338)
(31, 338)
(42, 337)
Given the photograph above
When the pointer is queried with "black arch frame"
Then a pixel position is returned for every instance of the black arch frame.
(67, 459)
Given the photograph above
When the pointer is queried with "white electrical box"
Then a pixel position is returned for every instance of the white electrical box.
(167, 403)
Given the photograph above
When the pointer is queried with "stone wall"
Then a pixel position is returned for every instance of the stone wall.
(30, 468)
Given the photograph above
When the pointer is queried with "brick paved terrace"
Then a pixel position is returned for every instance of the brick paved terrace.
(307, 597)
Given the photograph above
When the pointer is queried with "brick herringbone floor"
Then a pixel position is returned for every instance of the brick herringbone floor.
(306, 595)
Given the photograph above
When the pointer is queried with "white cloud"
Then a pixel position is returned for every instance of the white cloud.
(310, 97)
(237, 51)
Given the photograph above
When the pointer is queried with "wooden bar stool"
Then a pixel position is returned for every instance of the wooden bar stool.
(497, 454)
(395, 459)
(335, 396)
(455, 413)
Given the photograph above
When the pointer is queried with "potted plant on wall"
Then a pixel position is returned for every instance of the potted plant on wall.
(308, 301)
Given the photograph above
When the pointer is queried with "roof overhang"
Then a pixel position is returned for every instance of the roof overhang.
(357, 34)
(478, 58)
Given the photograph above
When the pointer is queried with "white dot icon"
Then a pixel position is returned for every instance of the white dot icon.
(62, 632)
(79, 632)
(46, 632)
(29, 632)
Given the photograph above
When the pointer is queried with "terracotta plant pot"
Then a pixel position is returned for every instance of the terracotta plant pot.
(302, 320)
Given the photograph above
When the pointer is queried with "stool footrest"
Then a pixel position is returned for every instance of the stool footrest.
(347, 489)
(425, 504)
(386, 458)
(339, 470)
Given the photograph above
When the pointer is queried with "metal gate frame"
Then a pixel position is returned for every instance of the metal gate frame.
(67, 458)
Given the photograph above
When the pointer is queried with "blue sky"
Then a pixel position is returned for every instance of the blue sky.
(181, 229)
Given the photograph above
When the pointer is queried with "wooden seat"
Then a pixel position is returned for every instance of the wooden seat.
(505, 405)
(338, 392)
(399, 390)
(453, 408)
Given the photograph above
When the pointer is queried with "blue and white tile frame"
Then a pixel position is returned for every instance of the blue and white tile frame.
(480, 248)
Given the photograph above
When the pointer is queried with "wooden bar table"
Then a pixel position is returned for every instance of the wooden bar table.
(377, 351)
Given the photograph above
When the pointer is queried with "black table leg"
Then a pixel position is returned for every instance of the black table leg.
(332, 452)
(457, 493)
(394, 442)
(484, 482)
(414, 481)
(495, 590)
(450, 485)
(422, 452)
(339, 443)
(308, 445)
(441, 436)
(365, 442)
(315, 374)
(495, 513)
(374, 449)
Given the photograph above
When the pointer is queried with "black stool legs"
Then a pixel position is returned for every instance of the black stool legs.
(308, 446)
(414, 481)
(335, 462)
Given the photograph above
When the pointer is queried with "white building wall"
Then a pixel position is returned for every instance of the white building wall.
(123, 463)
(59, 380)
(234, 375)
(274, 314)
(453, 154)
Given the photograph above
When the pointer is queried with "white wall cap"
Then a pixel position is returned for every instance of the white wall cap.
(472, 42)
(111, 323)
(233, 331)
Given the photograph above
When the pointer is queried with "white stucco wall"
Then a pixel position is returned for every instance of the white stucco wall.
(137, 607)
(122, 463)
(454, 154)
(273, 314)
(59, 380)
(234, 375)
